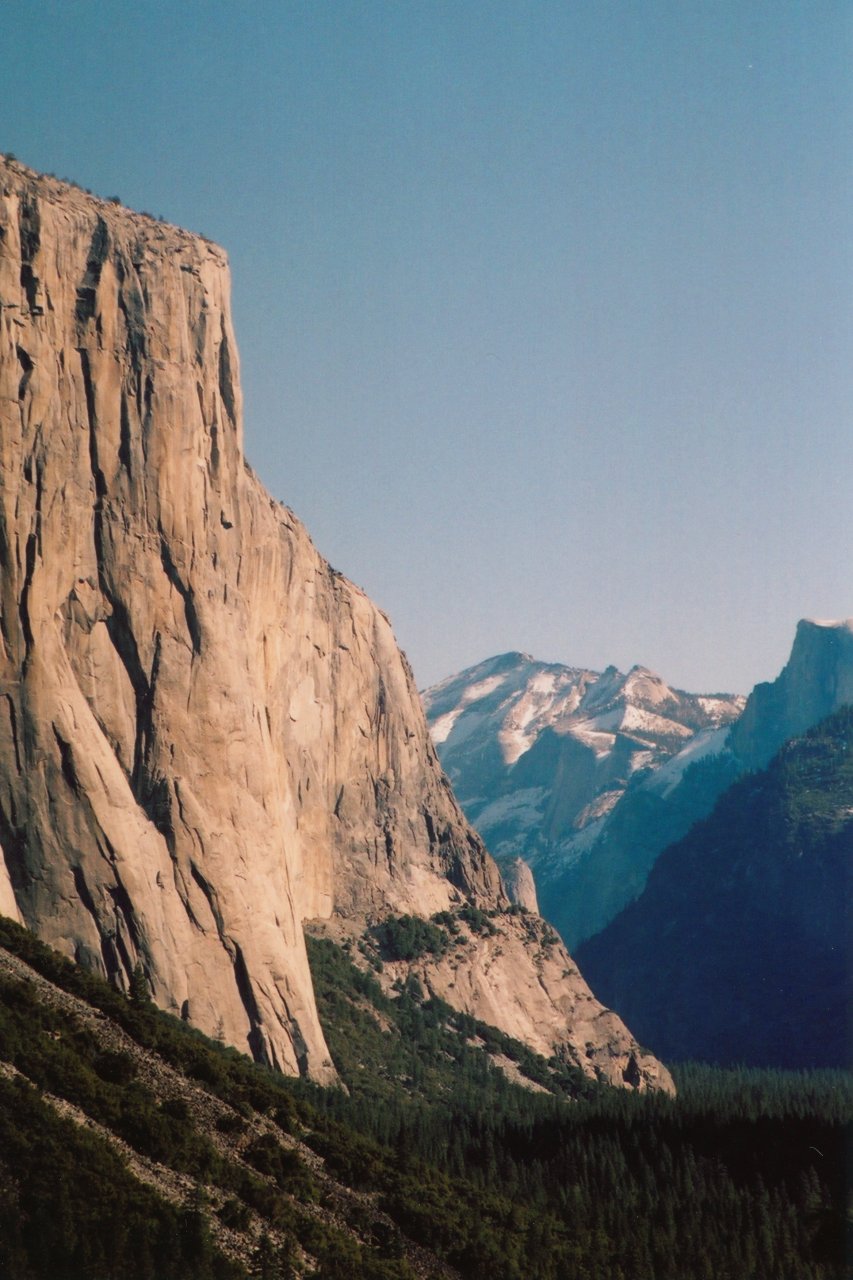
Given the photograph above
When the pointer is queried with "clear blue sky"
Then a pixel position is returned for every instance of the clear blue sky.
(544, 309)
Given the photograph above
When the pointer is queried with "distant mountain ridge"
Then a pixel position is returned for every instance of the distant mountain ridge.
(737, 951)
(590, 776)
(542, 754)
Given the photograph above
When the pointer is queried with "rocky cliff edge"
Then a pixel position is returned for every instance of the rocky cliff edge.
(207, 735)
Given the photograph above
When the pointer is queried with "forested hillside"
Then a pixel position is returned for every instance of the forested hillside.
(738, 949)
(194, 1162)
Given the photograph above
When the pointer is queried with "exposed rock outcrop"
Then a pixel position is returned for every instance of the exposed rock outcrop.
(517, 975)
(816, 680)
(520, 885)
(207, 735)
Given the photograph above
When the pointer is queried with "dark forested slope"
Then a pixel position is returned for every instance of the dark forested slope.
(738, 949)
(131, 1147)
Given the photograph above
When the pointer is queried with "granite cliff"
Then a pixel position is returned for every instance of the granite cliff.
(816, 680)
(207, 735)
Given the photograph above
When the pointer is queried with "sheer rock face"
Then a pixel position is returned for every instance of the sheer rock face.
(816, 680)
(206, 734)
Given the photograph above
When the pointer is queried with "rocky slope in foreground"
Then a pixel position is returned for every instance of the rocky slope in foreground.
(114, 1114)
(130, 1146)
(207, 736)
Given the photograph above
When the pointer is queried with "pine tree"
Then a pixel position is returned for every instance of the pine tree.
(139, 993)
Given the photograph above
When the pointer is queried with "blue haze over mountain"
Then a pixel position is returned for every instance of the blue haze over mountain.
(738, 949)
(590, 776)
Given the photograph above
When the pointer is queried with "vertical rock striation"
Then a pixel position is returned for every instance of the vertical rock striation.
(816, 680)
(207, 735)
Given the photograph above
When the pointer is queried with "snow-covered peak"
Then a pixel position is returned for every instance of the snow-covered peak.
(838, 624)
(549, 695)
(644, 686)
(507, 702)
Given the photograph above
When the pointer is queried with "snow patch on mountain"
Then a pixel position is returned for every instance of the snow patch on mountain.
(719, 708)
(541, 756)
(645, 686)
(603, 804)
(637, 720)
(443, 726)
(641, 761)
(839, 624)
(706, 743)
(524, 807)
(548, 697)
(592, 735)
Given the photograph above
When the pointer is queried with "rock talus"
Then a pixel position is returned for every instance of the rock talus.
(207, 735)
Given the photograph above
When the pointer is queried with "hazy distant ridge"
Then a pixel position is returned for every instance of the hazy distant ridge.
(541, 756)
